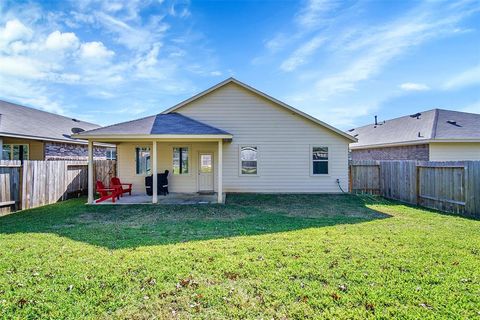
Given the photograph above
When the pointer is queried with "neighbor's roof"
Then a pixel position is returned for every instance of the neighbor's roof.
(24, 122)
(423, 127)
(264, 95)
(160, 124)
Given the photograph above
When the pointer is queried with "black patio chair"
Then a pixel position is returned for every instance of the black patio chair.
(162, 184)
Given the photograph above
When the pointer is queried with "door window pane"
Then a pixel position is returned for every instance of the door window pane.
(205, 163)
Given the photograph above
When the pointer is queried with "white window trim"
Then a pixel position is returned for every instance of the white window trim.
(135, 160)
(310, 159)
(16, 144)
(190, 159)
(240, 174)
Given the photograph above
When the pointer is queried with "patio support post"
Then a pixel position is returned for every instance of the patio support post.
(154, 171)
(90, 171)
(220, 172)
(1, 148)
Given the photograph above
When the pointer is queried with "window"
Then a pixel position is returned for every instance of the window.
(248, 160)
(15, 152)
(111, 154)
(180, 160)
(319, 160)
(142, 160)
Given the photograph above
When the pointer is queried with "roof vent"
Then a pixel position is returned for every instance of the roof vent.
(76, 130)
(416, 115)
(355, 135)
(351, 130)
(453, 123)
(75, 120)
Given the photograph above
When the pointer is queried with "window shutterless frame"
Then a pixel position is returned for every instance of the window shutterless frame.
(321, 159)
(188, 148)
(258, 151)
(16, 150)
(138, 149)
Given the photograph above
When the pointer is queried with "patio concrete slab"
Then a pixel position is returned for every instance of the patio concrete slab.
(172, 198)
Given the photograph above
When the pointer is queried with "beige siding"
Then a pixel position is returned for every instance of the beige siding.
(454, 151)
(283, 138)
(35, 147)
(177, 183)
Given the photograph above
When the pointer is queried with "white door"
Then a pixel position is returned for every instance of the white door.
(205, 172)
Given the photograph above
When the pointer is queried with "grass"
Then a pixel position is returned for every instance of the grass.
(258, 256)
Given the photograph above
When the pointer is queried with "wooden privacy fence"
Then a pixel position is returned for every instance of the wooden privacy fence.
(9, 185)
(36, 183)
(447, 186)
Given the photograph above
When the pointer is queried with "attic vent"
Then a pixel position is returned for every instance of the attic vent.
(77, 130)
(416, 115)
(453, 123)
(351, 130)
(75, 120)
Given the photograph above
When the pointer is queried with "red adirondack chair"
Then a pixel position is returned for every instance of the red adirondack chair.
(123, 187)
(107, 193)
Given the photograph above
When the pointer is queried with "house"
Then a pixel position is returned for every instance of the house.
(433, 135)
(230, 138)
(31, 134)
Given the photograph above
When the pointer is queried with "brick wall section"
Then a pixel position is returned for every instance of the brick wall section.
(68, 151)
(415, 152)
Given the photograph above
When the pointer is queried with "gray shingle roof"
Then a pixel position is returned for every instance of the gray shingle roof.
(429, 125)
(170, 123)
(23, 121)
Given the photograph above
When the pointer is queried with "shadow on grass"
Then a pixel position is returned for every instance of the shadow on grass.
(117, 227)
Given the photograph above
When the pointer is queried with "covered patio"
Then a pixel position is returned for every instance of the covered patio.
(190, 150)
(172, 198)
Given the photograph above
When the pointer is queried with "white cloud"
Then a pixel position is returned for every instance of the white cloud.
(14, 30)
(95, 51)
(354, 53)
(466, 78)
(62, 41)
(23, 92)
(314, 12)
(23, 67)
(302, 54)
(216, 73)
(411, 86)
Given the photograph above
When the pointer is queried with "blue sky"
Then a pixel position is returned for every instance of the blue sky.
(340, 61)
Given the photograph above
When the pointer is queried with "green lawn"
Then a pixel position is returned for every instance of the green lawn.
(258, 256)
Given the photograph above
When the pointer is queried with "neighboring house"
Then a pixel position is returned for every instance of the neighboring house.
(434, 135)
(231, 138)
(31, 134)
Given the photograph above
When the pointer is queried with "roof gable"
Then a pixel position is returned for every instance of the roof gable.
(263, 95)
